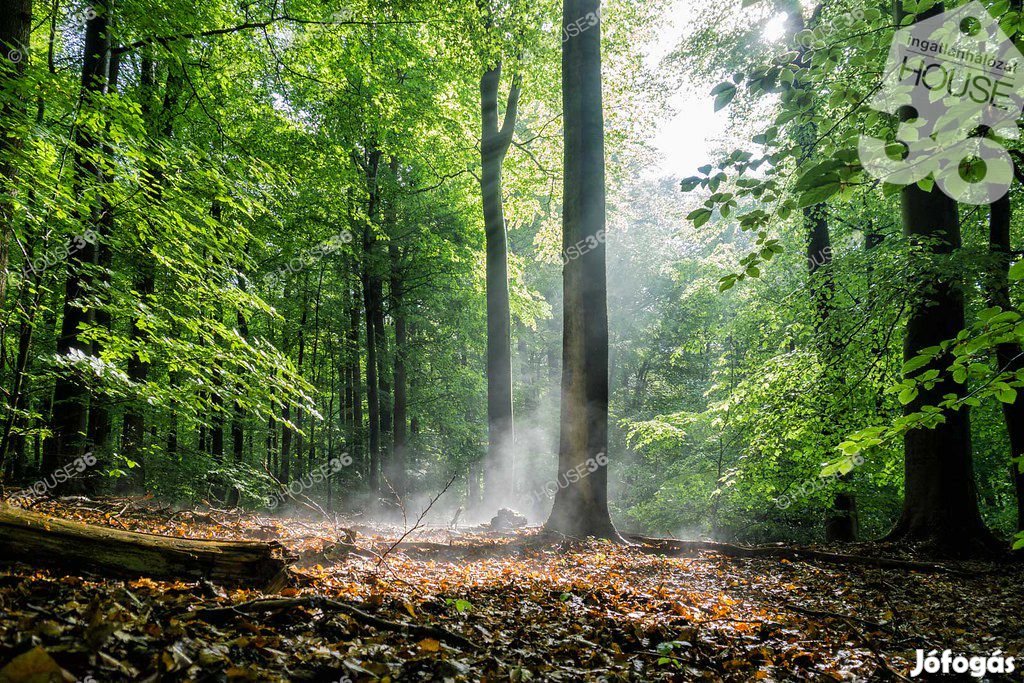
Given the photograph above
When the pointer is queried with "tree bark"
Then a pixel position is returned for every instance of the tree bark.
(299, 440)
(100, 426)
(160, 123)
(397, 460)
(371, 305)
(355, 397)
(1010, 357)
(15, 35)
(499, 467)
(940, 506)
(39, 539)
(581, 504)
(841, 520)
(69, 418)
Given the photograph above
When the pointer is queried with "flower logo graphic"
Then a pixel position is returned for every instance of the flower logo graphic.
(955, 81)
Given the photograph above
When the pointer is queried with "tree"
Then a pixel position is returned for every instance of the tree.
(940, 506)
(581, 504)
(1009, 355)
(494, 145)
(70, 406)
(15, 37)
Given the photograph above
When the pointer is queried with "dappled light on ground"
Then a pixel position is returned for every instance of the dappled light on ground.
(530, 606)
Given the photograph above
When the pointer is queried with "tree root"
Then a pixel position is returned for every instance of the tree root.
(656, 546)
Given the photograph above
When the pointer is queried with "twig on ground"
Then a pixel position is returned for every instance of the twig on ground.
(326, 604)
(419, 520)
(668, 546)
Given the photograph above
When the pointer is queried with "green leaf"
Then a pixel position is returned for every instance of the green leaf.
(699, 217)
(818, 195)
(690, 184)
(723, 94)
(908, 395)
(916, 363)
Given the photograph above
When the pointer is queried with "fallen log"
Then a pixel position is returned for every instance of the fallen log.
(668, 546)
(41, 540)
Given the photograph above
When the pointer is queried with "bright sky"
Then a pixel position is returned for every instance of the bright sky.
(685, 140)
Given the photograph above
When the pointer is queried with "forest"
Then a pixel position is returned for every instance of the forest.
(496, 340)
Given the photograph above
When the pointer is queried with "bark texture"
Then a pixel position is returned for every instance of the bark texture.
(38, 539)
(495, 140)
(581, 504)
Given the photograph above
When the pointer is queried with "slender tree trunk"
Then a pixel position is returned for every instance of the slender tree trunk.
(217, 397)
(397, 469)
(69, 418)
(371, 305)
(238, 417)
(299, 440)
(581, 504)
(284, 466)
(99, 408)
(384, 394)
(841, 520)
(15, 34)
(335, 389)
(160, 123)
(499, 467)
(317, 365)
(355, 436)
(17, 400)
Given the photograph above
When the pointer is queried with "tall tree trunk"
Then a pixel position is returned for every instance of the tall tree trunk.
(499, 467)
(371, 305)
(940, 507)
(316, 365)
(384, 397)
(99, 407)
(355, 397)
(17, 398)
(15, 35)
(217, 396)
(160, 122)
(238, 416)
(397, 460)
(69, 418)
(841, 520)
(1010, 357)
(299, 440)
(284, 466)
(581, 504)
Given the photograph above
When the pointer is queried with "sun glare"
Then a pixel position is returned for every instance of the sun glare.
(775, 29)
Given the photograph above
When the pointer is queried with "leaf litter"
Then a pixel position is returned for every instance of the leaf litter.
(479, 606)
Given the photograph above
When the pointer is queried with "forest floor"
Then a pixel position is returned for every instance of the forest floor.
(533, 610)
